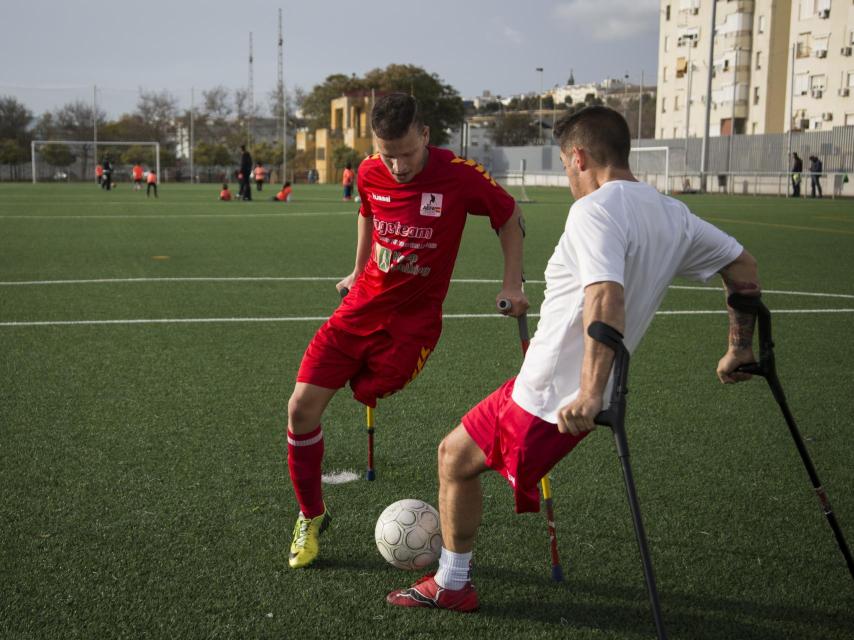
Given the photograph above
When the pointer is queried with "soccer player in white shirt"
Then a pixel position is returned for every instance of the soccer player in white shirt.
(622, 246)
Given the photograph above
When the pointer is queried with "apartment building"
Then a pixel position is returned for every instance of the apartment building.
(821, 79)
(777, 64)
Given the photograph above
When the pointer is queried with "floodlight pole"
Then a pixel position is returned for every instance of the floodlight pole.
(95, 125)
(791, 120)
(33, 159)
(640, 116)
(540, 112)
(283, 98)
(704, 159)
(192, 133)
(688, 101)
(157, 159)
(732, 116)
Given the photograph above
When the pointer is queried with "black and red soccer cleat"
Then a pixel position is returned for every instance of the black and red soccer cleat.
(426, 593)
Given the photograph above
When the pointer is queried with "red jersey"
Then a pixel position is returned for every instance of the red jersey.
(137, 172)
(225, 194)
(284, 194)
(152, 177)
(417, 230)
(347, 178)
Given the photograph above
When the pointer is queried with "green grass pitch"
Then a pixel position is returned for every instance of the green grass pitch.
(143, 486)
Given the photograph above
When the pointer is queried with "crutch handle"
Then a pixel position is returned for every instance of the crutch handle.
(344, 291)
(753, 304)
(524, 337)
(613, 339)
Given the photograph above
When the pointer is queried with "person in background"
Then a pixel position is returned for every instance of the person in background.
(107, 182)
(816, 168)
(136, 172)
(285, 194)
(260, 176)
(245, 173)
(99, 173)
(797, 169)
(152, 184)
(225, 194)
(347, 182)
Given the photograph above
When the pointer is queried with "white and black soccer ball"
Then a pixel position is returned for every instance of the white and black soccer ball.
(408, 534)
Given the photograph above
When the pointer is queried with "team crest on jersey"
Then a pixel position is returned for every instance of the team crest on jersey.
(431, 204)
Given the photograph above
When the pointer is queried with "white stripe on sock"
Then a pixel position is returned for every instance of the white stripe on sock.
(305, 443)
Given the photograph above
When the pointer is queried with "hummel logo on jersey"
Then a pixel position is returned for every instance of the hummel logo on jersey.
(431, 204)
(377, 196)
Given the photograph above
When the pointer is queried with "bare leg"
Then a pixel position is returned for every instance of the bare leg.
(461, 462)
(306, 407)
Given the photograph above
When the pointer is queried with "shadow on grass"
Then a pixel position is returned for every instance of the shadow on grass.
(626, 611)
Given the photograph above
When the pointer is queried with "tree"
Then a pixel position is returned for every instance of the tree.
(514, 130)
(157, 111)
(72, 121)
(15, 120)
(58, 155)
(12, 153)
(211, 156)
(441, 105)
(138, 154)
(215, 103)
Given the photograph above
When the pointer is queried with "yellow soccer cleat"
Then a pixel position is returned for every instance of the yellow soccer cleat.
(305, 545)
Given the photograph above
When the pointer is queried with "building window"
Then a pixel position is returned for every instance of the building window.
(849, 119)
(676, 103)
(321, 153)
(758, 59)
(667, 12)
(817, 82)
(663, 104)
(804, 46)
(754, 127)
(666, 44)
(807, 9)
(850, 78)
(681, 67)
(802, 84)
(755, 95)
(762, 20)
(675, 132)
(664, 74)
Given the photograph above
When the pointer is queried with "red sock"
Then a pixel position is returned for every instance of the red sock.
(305, 453)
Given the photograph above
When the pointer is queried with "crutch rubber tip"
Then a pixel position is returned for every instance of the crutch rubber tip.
(370, 474)
(557, 573)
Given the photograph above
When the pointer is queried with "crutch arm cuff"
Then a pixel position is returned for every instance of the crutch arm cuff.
(606, 334)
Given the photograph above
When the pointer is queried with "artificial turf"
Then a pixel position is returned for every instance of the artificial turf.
(143, 487)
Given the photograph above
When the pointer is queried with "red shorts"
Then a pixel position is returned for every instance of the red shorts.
(376, 365)
(518, 445)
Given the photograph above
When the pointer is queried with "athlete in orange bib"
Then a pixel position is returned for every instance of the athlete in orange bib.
(260, 176)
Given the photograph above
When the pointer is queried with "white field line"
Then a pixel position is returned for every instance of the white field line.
(14, 283)
(450, 316)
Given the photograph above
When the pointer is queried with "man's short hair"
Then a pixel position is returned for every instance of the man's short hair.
(602, 132)
(394, 114)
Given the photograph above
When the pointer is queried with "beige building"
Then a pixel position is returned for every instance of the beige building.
(350, 119)
(753, 66)
(822, 37)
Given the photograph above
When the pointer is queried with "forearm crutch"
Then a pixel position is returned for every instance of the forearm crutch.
(767, 368)
(545, 484)
(370, 472)
(615, 417)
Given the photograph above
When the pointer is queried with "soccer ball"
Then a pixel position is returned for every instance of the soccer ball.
(408, 534)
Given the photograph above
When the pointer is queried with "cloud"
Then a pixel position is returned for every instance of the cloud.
(609, 19)
(512, 35)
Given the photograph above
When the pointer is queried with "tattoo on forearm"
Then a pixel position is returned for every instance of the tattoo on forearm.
(741, 329)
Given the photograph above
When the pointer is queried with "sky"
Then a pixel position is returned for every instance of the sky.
(53, 52)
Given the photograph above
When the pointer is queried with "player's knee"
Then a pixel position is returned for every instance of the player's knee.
(454, 462)
(302, 413)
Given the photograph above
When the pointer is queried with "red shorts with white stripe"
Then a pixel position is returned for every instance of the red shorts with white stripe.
(376, 365)
(518, 445)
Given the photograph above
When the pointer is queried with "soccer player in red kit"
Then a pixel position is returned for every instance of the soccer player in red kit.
(414, 201)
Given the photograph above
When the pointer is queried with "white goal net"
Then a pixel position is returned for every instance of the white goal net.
(652, 165)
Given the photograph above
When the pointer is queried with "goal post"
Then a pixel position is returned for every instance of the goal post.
(36, 144)
(647, 162)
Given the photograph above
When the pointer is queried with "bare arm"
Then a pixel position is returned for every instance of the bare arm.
(739, 276)
(603, 302)
(365, 226)
(511, 234)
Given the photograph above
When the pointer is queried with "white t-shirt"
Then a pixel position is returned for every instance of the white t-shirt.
(624, 232)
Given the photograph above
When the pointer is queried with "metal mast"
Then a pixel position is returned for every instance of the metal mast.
(251, 118)
(283, 101)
